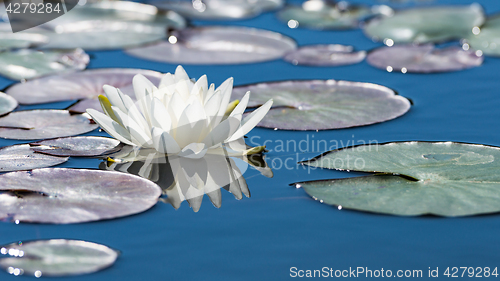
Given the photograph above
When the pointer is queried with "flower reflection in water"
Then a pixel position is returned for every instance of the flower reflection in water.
(186, 179)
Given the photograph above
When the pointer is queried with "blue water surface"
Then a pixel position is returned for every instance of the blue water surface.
(280, 227)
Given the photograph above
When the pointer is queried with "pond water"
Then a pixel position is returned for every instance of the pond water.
(279, 227)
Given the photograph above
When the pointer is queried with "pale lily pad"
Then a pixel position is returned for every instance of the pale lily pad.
(43, 124)
(323, 15)
(423, 58)
(325, 55)
(73, 195)
(56, 257)
(77, 146)
(218, 45)
(78, 85)
(9, 41)
(7, 104)
(28, 64)
(324, 104)
(486, 38)
(22, 157)
(218, 9)
(439, 178)
(423, 25)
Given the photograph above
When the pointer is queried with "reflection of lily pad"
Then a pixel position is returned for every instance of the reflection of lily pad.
(325, 55)
(78, 85)
(28, 64)
(7, 104)
(322, 15)
(22, 157)
(43, 124)
(77, 146)
(487, 38)
(73, 195)
(423, 58)
(218, 45)
(324, 104)
(440, 178)
(430, 24)
(57, 257)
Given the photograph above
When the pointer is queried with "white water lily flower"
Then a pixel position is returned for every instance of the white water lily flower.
(179, 116)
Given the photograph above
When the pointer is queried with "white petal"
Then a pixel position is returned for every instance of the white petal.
(167, 80)
(163, 142)
(226, 88)
(240, 108)
(176, 107)
(222, 132)
(110, 126)
(136, 132)
(212, 106)
(182, 88)
(115, 97)
(141, 85)
(193, 151)
(180, 74)
(210, 93)
(159, 116)
(251, 120)
(200, 88)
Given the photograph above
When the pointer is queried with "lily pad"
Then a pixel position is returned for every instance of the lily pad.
(28, 64)
(43, 124)
(84, 85)
(63, 196)
(486, 38)
(78, 146)
(323, 15)
(218, 45)
(22, 157)
(325, 55)
(218, 9)
(56, 257)
(9, 41)
(439, 178)
(423, 25)
(7, 104)
(423, 58)
(324, 104)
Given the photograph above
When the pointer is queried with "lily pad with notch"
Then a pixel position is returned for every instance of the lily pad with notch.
(85, 146)
(412, 178)
(22, 157)
(61, 196)
(44, 124)
(56, 257)
(324, 104)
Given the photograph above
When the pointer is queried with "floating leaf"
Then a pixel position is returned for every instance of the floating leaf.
(440, 178)
(77, 146)
(56, 257)
(78, 85)
(218, 9)
(43, 124)
(7, 104)
(430, 24)
(109, 25)
(73, 195)
(218, 45)
(423, 58)
(324, 104)
(322, 15)
(325, 55)
(22, 157)
(28, 64)
(486, 38)
(9, 41)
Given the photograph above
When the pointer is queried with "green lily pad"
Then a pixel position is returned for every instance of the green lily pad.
(324, 104)
(44, 124)
(412, 178)
(486, 38)
(424, 25)
(28, 64)
(9, 41)
(22, 157)
(56, 257)
(7, 104)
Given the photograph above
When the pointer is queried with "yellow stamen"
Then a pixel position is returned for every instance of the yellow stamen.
(231, 106)
(106, 106)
